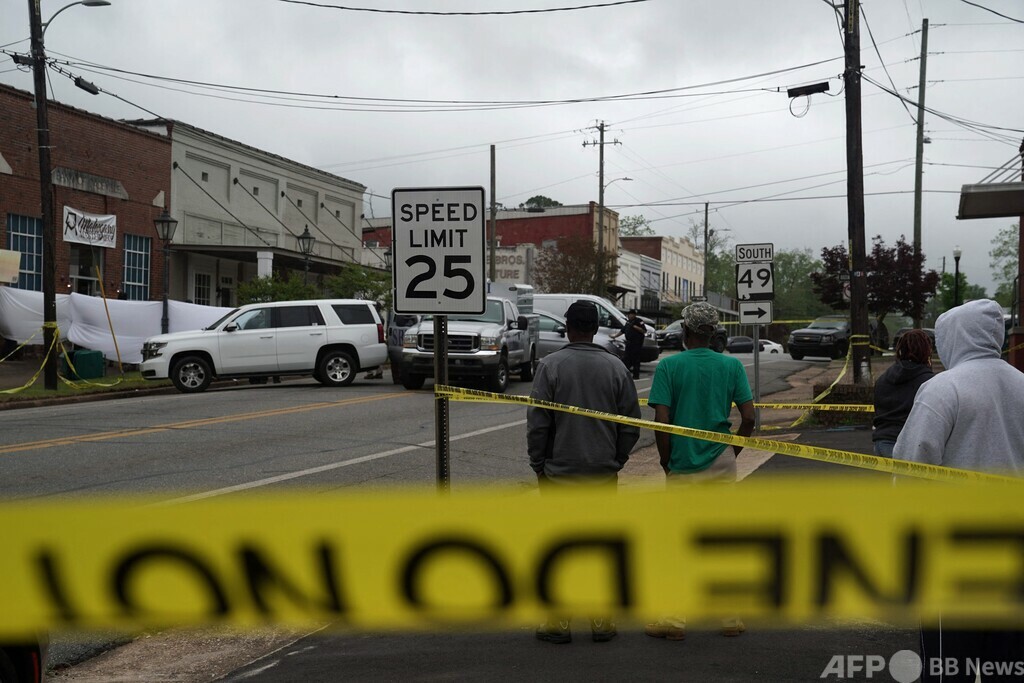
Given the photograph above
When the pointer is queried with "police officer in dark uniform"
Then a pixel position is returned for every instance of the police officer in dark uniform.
(634, 331)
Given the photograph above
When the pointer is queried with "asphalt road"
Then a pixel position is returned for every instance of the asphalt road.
(375, 434)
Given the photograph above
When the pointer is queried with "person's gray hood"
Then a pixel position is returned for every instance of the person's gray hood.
(972, 331)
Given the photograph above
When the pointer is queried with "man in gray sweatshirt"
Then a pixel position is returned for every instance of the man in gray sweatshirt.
(968, 417)
(568, 449)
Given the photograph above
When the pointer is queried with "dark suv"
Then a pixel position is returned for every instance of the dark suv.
(671, 337)
(826, 336)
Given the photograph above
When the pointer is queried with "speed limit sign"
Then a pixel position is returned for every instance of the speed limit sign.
(438, 239)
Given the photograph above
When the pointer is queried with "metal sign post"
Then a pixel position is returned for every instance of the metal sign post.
(438, 268)
(755, 288)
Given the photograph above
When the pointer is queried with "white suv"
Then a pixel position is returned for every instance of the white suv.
(330, 339)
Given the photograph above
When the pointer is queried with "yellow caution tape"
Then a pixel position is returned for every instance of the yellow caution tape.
(782, 551)
(35, 376)
(829, 455)
(840, 407)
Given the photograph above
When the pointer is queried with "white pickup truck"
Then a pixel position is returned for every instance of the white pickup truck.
(488, 346)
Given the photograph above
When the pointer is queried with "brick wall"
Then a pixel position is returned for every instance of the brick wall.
(90, 144)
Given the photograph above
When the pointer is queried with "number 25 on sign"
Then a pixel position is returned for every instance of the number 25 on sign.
(754, 281)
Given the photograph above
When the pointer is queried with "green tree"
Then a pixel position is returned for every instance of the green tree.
(572, 267)
(635, 226)
(539, 201)
(274, 288)
(794, 298)
(1005, 255)
(359, 282)
(943, 300)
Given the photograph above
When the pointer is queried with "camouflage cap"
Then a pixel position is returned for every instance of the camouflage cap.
(701, 317)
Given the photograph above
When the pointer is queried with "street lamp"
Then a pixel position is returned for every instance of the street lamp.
(306, 242)
(956, 275)
(165, 227)
(37, 30)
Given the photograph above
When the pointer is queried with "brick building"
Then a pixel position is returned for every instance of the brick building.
(110, 181)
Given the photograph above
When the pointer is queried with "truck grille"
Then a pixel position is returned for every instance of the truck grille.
(457, 343)
(807, 338)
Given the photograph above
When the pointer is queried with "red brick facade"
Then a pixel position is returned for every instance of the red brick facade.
(93, 145)
(647, 246)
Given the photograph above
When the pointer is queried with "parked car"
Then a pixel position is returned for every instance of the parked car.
(768, 346)
(553, 337)
(903, 330)
(739, 344)
(826, 336)
(671, 337)
(399, 323)
(330, 339)
(611, 319)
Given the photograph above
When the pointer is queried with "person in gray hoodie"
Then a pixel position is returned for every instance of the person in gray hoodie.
(968, 417)
(896, 388)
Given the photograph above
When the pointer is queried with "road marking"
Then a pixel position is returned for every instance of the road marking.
(327, 468)
(188, 424)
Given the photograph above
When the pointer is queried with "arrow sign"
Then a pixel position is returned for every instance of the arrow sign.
(756, 312)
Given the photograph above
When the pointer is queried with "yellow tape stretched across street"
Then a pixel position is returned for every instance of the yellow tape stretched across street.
(781, 550)
(839, 407)
(829, 455)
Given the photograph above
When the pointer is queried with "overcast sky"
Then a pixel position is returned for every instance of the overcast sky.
(732, 135)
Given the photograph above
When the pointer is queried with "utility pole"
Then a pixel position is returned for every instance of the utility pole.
(918, 172)
(494, 223)
(600, 204)
(855, 195)
(704, 287)
(45, 196)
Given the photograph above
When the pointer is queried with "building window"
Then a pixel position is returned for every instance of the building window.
(337, 214)
(298, 202)
(203, 289)
(205, 177)
(255, 191)
(25, 234)
(137, 251)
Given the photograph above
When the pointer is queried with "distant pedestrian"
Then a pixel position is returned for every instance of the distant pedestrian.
(896, 388)
(698, 388)
(572, 450)
(635, 331)
(968, 417)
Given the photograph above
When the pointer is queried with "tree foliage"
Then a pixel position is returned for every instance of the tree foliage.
(1005, 255)
(944, 295)
(635, 226)
(274, 288)
(359, 282)
(572, 267)
(793, 296)
(896, 279)
(539, 201)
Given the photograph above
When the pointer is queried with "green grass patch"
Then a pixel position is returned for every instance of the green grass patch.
(129, 382)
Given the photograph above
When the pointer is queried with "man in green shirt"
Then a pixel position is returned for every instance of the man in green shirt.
(697, 388)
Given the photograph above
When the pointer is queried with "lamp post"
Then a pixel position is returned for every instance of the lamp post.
(600, 229)
(37, 31)
(165, 227)
(306, 242)
(956, 275)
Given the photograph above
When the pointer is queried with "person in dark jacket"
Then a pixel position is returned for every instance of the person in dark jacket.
(634, 331)
(896, 388)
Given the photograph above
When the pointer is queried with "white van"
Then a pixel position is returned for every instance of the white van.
(610, 319)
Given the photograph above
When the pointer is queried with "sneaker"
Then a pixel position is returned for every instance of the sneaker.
(733, 628)
(602, 630)
(554, 632)
(666, 630)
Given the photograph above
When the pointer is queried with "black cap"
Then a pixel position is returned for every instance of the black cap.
(582, 315)
(632, 311)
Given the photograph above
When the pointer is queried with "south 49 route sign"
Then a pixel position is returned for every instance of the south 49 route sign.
(438, 250)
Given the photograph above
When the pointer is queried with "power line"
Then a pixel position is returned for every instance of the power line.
(988, 9)
(882, 62)
(462, 14)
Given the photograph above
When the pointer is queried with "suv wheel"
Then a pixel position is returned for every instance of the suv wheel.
(528, 370)
(191, 375)
(717, 344)
(413, 382)
(796, 356)
(498, 382)
(336, 369)
(839, 351)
